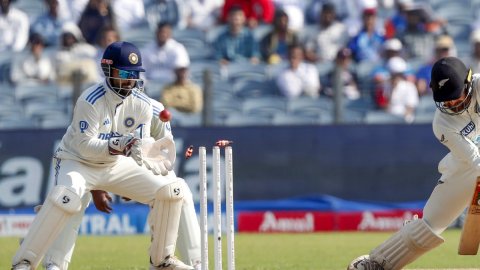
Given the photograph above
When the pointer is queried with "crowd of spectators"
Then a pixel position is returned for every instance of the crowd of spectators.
(379, 51)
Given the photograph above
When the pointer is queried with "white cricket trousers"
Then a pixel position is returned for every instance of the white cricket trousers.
(451, 195)
(124, 178)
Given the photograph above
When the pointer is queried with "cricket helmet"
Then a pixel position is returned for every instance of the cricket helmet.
(126, 58)
(450, 78)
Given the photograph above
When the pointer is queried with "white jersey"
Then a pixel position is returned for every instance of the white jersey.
(159, 129)
(100, 114)
(461, 134)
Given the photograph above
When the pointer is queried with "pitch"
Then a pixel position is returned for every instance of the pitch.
(320, 251)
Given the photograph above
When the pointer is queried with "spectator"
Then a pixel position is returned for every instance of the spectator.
(107, 36)
(71, 10)
(380, 74)
(417, 37)
(474, 61)
(237, 42)
(299, 78)
(165, 11)
(182, 94)
(343, 61)
(295, 11)
(331, 37)
(33, 66)
(342, 8)
(96, 15)
(368, 43)
(444, 46)
(274, 46)
(49, 24)
(396, 24)
(400, 94)
(75, 54)
(128, 14)
(161, 55)
(202, 14)
(14, 27)
(255, 11)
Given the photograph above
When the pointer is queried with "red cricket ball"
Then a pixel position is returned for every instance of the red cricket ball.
(165, 115)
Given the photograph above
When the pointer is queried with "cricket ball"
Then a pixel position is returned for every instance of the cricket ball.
(165, 115)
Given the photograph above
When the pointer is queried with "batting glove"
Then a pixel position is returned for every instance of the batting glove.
(121, 145)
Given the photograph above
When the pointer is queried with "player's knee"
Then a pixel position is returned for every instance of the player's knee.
(419, 235)
(171, 192)
(65, 199)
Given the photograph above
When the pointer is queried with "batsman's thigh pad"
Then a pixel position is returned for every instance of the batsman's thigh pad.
(406, 245)
(165, 217)
(60, 252)
(61, 204)
(188, 244)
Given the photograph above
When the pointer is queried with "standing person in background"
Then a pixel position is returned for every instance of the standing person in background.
(456, 93)
(299, 78)
(14, 28)
(103, 149)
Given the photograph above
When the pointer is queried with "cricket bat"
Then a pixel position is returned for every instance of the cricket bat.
(470, 238)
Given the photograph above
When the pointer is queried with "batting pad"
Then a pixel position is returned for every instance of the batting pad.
(165, 217)
(406, 245)
(188, 243)
(60, 205)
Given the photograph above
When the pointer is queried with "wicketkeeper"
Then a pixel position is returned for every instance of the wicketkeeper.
(107, 147)
(59, 255)
(456, 95)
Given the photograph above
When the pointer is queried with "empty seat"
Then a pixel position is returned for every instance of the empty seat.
(247, 120)
(266, 106)
(382, 117)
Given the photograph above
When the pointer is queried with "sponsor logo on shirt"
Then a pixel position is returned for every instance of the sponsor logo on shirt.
(106, 122)
(83, 125)
(106, 136)
(468, 129)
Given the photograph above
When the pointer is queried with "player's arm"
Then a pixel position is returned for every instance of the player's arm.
(460, 146)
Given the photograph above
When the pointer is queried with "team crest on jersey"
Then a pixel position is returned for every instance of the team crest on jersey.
(468, 129)
(133, 58)
(129, 122)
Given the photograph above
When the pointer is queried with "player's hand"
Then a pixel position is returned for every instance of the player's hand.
(160, 155)
(102, 200)
(121, 145)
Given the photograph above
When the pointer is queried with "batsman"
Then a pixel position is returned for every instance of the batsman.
(108, 147)
(456, 92)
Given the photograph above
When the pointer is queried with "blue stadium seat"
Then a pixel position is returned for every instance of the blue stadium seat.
(19, 122)
(266, 106)
(304, 103)
(382, 117)
(139, 36)
(182, 119)
(247, 120)
(293, 120)
(246, 88)
(55, 121)
(27, 92)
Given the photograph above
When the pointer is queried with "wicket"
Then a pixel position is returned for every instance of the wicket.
(217, 207)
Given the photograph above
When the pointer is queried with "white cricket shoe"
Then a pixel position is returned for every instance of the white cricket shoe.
(23, 265)
(52, 266)
(171, 263)
(364, 263)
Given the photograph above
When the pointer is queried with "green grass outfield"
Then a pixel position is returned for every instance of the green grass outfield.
(320, 251)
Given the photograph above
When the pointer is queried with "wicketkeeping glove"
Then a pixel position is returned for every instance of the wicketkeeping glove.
(121, 145)
(159, 156)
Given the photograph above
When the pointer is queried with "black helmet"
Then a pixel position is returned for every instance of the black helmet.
(449, 79)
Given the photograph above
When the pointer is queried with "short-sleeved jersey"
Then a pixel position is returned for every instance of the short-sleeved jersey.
(461, 133)
(100, 114)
